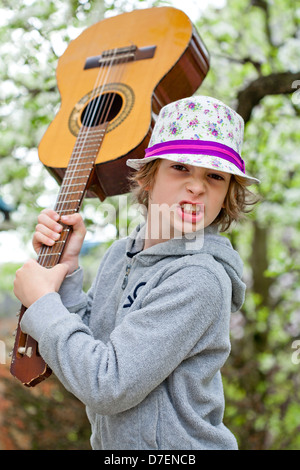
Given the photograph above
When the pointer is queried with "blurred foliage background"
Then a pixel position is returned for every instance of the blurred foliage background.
(255, 68)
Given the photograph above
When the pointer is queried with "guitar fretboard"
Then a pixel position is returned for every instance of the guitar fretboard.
(74, 186)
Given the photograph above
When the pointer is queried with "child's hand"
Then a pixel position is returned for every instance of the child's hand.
(48, 232)
(33, 281)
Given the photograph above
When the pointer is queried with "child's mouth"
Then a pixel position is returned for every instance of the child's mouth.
(191, 212)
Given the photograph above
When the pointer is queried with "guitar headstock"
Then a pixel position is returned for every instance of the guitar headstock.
(27, 364)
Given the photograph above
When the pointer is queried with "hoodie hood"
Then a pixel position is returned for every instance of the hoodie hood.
(208, 242)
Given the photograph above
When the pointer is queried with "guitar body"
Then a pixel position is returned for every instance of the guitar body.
(178, 67)
(113, 79)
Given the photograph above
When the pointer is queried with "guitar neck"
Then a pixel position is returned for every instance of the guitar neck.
(73, 187)
(27, 365)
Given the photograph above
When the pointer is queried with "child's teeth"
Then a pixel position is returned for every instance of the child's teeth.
(191, 208)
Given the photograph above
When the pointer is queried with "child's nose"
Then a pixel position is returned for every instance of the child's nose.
(196, 186)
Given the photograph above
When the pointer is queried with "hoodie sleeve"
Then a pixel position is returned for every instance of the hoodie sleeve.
(74, 298)
(71, 291)
(142, 351)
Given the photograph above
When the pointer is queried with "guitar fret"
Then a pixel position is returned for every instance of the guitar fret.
(88, 143)
(69, 201)
(75, 171)
(96, 136)
(70, 192)
(49, 254)
(61, 211)
(80, 152)
(95, 146)
(81, 140)
(75, 184)
(75, 177)
(89, 131)
(60, 241)
(83, 163)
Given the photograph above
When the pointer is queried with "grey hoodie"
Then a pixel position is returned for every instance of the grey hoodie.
(144, 347)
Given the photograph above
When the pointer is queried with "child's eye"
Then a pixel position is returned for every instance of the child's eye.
(179, 167)
(216, 176)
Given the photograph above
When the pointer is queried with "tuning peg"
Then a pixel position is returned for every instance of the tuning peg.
(29, 351)
(25, 351)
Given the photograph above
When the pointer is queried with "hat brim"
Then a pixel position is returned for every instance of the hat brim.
(202, 161)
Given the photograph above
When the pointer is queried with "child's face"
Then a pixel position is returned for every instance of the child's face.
(186, 197)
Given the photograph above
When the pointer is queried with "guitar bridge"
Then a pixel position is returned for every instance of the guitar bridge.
(119, 55)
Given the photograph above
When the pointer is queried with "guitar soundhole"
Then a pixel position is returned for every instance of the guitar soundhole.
(103, 108)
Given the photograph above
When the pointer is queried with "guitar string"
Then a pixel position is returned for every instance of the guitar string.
(110, 100)
(47, 260)
(91, 119)
(87, 124)
(93, 107)
(85, 131)
(101, 104)
(102, 118)
(45, 252)
(96, 108)
(104, 103)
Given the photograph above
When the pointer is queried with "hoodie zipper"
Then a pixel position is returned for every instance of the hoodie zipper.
(125, 280)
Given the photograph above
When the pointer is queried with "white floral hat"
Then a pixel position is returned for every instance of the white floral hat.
(199, 131)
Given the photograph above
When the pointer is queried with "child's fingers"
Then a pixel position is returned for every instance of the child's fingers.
(44, 232)
(50, 213)
(40, 238)
(47, 231)
(77, 223)
(50, 225)
(49, 219)
(72, 219)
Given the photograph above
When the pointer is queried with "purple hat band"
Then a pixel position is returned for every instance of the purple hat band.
(197, 147)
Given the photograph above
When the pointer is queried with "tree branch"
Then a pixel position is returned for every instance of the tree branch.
(273, 84)
(264, 6)
(256, 64)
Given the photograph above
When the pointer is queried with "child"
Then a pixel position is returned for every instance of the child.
(144, 347)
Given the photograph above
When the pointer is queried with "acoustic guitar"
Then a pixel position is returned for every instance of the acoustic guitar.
(113, 80)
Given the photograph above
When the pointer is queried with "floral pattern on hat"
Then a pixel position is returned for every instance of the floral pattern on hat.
(174, 129)
(201, 118)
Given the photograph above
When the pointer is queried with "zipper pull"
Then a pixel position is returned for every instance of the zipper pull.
(125, 280)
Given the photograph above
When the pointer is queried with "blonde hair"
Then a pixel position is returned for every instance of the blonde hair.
(236, 203)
